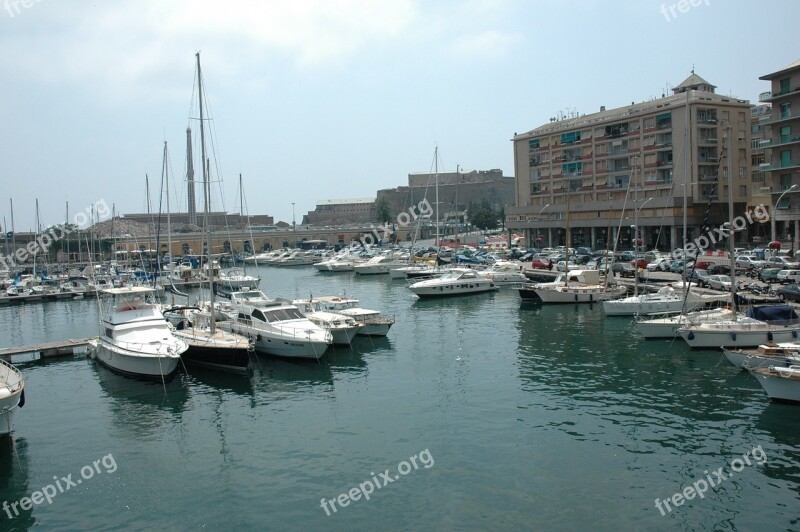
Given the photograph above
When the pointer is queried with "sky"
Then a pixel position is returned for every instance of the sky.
(333, 99)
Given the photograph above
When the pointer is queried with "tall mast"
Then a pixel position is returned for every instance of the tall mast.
(37, 235)
(436, 167)
(567, 241)
(207, 193)
(190, 178)
(730, 221)
(165, 173)
(13, 229)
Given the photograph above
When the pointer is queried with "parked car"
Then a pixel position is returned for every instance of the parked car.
(769, 275)
(623, 269)
(678, 266)
(562, 266)
(790, 293)
(788, 276)
(697, 276)
(540, 263)
(659, 265)
(719, 282)
(749, 262)
(719, 269)
(782, 262)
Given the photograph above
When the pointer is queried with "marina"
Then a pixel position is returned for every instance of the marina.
(485, 383)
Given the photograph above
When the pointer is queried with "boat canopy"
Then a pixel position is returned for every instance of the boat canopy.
(773, 313)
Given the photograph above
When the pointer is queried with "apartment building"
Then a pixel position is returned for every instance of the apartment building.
(782, 145)
(634, 167)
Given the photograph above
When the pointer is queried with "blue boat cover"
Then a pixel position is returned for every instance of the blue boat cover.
(772, 313)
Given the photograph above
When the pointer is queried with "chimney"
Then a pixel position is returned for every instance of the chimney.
(602, 108)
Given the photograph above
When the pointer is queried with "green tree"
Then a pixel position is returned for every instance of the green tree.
(382, 210)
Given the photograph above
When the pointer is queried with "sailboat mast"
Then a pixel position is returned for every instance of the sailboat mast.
(37, 236)
(13, 230)
(165, 170)
(436, 167)
(207, 192)
(567, 241)
(730, 222)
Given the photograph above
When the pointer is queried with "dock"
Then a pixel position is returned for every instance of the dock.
(48, 349)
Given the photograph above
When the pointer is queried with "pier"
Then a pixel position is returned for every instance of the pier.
(49, 349)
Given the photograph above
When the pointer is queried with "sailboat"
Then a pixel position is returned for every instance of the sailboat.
(576, 286)
(209, 346)
(12, 395)
(761, 325)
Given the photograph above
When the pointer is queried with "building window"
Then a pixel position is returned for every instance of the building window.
(742, 171)
(743, 190)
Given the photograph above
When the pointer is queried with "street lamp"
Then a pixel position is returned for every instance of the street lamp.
(537, 221)
(791, 188)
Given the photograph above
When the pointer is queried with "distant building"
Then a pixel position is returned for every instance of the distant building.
(341, 212)
(760, 189)
(782, 144)
(634, 162)
(216, 219)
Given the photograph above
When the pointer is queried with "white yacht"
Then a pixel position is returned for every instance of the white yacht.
(760, 325)
(372, 322)
(504, 272)
(457, 282)
(782, 384)
(295, 258)
(380, 264)
(135, 339)
(276, 327)
(419, 270)
(339, 263)
(667, 299)
(12, 395)
(237, 279)
(771, 354)
(342, 328)
(667, 326)
(575, 286)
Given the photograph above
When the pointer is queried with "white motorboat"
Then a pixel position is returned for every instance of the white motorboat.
(782, 384)
(379, 264)
(262, 258)
(760, 325)
(667, 326)
(295, 258)
(372, 322)
(764, 355)
(576, 286)
(237, 279)
(342, 328)
(340, 263)
(667, 299)
(12, 395)
(417, 271)
(276, 327)
(457, 282)
(504, 272)
(136, 340)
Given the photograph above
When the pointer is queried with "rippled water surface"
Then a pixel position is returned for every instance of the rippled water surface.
(533, 416)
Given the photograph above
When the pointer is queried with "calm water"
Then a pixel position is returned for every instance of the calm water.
(533, 417)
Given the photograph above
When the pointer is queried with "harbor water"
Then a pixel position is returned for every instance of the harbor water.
(476, 412)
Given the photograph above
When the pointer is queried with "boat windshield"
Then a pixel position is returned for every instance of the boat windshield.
(283, 314)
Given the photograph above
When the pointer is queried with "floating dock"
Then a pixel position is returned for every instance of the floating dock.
(49, 349)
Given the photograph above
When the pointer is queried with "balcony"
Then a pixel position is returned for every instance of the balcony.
(708, 140)
(781, 165)
(772, 96)
(784, 140)
(706, 119)
(769, 119)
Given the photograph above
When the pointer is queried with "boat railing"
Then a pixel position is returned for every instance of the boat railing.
(12, 386)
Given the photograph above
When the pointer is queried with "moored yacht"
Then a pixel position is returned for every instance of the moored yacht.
(667, 299)
(771, 354)
(135, 338)
(504, 272)
(666, 326)
(372, 322)
(379, 264)
(457, 282)
(12, 395)
(575, 286)
(782, 384)
(276, 327)
(342, 328)
(760, 325)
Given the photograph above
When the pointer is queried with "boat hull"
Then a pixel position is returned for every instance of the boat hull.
(779, 389)
(625, 308)
(713, 338)
(577, 295)
(231, 359)
(281, 346)
(155, 367)
(746, 359)
(453, 290)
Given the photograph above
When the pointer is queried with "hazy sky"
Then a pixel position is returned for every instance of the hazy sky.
(316, 99)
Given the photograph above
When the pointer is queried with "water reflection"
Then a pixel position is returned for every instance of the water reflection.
(142, 409)
(14, 483)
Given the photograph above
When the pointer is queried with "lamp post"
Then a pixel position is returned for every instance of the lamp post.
(537, 221)
(772, 218)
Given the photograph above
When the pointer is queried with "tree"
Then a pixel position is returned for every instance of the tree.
(382, 210)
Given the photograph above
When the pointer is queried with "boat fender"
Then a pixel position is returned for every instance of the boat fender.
(794, 334)
(769, 336)
(22, 399)
(258, 338)
(691, 335)
(733, 336)
(576, 297)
